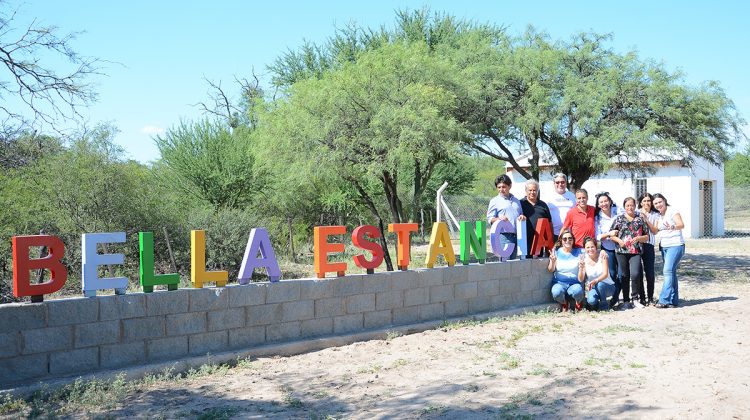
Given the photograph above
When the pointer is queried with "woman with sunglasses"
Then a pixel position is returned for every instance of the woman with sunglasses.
(565, 262)
(595, 270)
(629, 231)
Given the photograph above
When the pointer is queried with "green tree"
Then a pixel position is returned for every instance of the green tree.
(737, 169)
(211, 163)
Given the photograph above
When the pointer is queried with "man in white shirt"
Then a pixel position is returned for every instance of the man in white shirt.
(561, 201)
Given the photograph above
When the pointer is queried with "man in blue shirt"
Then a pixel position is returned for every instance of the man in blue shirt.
(505, 207)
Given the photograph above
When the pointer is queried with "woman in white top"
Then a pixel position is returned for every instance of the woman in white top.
(648, 256)
(594, 269)
(606, 213)
(672, 246)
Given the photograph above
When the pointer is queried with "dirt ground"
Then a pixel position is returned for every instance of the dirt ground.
(687, 362)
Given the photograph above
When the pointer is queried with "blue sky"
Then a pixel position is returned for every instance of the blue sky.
(158, 52)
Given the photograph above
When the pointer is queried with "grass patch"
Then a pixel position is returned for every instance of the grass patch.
(399, 363)
(508, 361)
(637, 365)
(217, 413)
(432, 409)
(619, 328)
(370, 369)
(390, 335)
(540, 370)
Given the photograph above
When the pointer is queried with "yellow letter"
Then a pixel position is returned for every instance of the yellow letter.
(440, 244)
(198, 273)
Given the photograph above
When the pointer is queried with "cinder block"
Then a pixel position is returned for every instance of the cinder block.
(378, 319)
(523, 298)
(189, 323)
(442, 293)
(543, 296)
(403, 280)
(429, 277)
(118, 307)
(360, 303)
(402, 316)
(212, 342)
(123, 354)
(418, 296)
(297, 311)
(72, 311)
(47, 339)
(283, 332)
(456, 274)
(480, 272)
(247, 337)
(140, 328)
(74, 361)
(208, 299)
(247, 294)
(520, 268)
(283, 291)
(500, 270)
(377, 282)
(316, 327)
(347, 286)
(329, 307)
(163, 302)
(98, 333)
(15, 369)
(10, 344)
(348, 323)
(457, 307)
(501, 301)
(528, 284)
(22, 316)
(262, 314)
(488, 287)
(389, 300)
(315, 289)
(465, 290)
(509, 285)
(226, 319)
(480, 304)
(431, 311)
(167, 348)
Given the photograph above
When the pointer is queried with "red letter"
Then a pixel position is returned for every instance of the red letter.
(542, 237)
(22, 265)
(403, 242)
(323, 248)
(358, 239)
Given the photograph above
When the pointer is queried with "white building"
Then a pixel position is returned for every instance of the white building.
(697, 192)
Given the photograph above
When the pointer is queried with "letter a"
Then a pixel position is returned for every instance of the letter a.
(440, 244)
(259, 242)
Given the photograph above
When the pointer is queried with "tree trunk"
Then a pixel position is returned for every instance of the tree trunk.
(291, 240)
(391, 194)
(371, 205)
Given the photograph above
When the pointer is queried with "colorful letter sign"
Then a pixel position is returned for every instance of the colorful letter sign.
(543, 238)
(198, 273)
(91, 260)
(475, 240)
(501, 250)
(259, 242)
(403, 241)
(22, 264)
(146, 255)
(360, 241)
(323, 248)
(440, 244)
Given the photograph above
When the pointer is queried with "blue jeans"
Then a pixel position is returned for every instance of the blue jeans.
(614, 275)
(562, 290)
(669, 290)
(597, 297)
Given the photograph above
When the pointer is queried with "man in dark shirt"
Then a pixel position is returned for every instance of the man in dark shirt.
(534, 209)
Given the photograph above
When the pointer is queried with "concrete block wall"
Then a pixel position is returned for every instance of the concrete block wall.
(82, 335)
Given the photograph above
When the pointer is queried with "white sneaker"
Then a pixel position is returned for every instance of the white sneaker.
(637, 305)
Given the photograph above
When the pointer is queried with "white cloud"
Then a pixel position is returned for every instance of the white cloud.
(152, 130)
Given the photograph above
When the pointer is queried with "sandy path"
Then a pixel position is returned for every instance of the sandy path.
(656, 363)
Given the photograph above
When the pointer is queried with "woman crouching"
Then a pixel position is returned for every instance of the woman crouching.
(596, 271)
(565, 262)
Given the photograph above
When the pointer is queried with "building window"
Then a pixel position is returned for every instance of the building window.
(639, 187)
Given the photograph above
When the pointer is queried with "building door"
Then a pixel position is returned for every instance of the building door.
(706, 207)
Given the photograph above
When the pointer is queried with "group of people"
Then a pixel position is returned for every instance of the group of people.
(601, 252)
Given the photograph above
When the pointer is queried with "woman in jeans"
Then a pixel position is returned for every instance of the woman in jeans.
(565, 262)
(629, 230)
(648, 256)
(604, 216)
(672, 246)
(595, 270)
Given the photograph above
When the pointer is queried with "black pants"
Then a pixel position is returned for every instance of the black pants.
(629, 266)
(648, 257)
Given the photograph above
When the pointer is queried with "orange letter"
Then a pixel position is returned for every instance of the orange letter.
(358, 239)
(542, 237)
(22, 265)
(403, 241)
(323, 248)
